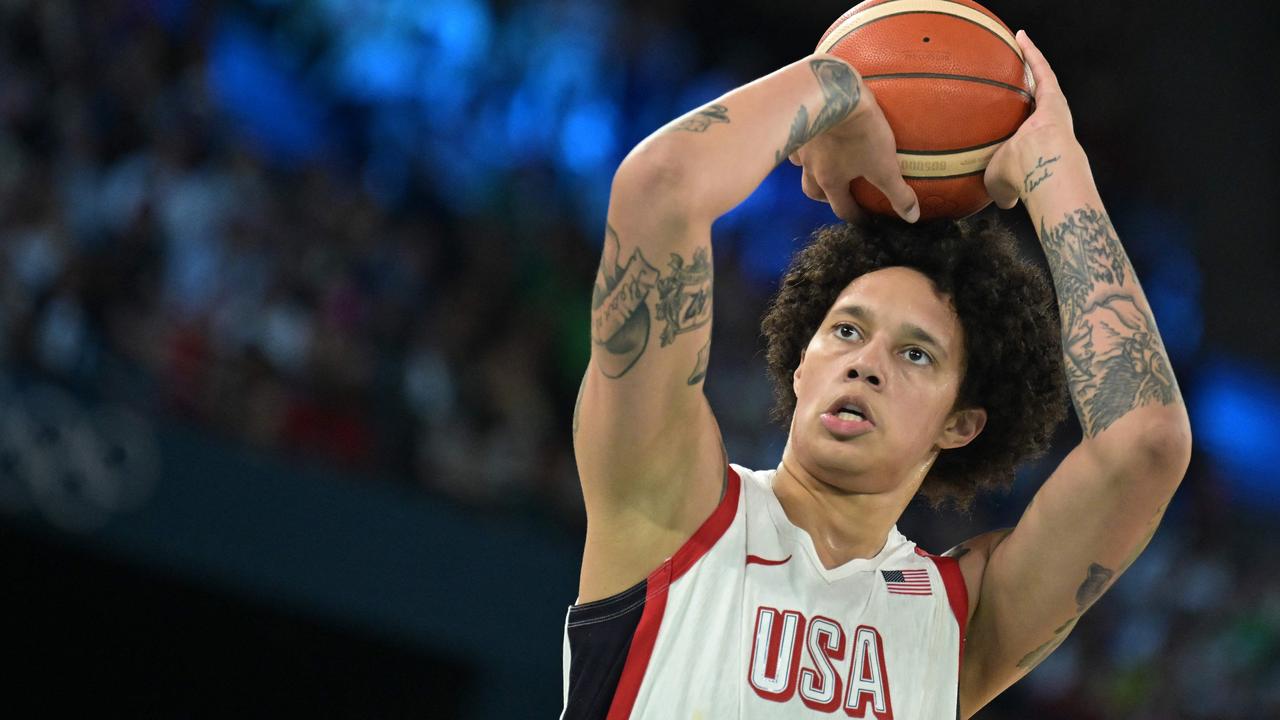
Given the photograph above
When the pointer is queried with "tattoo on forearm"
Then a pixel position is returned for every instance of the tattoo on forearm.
(1094, 583)
(620, 316)
(1114, 358)
(1035, 657)
(1039, 173)
(841, 92)
(703, 119)
(700, 370)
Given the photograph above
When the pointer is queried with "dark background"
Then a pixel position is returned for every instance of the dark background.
(293, 308)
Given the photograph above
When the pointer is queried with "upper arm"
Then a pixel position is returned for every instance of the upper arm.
(647, 447)
(1084, 527)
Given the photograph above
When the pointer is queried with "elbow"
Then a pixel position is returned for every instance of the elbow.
(1165, 448)
(656, 175)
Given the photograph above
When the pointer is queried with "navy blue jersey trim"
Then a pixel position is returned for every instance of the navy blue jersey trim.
(600, 634)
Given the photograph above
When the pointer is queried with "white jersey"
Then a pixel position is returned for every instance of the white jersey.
(745, 622)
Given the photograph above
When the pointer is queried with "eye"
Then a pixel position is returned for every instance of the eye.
(847, 332)
(916, 356)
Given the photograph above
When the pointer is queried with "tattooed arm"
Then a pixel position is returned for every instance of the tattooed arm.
(1098, 510)
(647, 446)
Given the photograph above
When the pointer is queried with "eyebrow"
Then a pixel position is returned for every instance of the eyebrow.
(912, 331)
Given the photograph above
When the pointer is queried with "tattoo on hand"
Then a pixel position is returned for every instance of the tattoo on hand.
(1039, 173)
(700, 370)
(620, 317)
(1114, 359)
(703, 119)
(841, 92)
(1093, 585)
(1035, 657)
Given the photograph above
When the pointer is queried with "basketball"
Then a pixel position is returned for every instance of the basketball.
(953, 86)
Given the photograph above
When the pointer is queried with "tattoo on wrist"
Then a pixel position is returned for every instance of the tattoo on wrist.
(703, 119)
(620, 315)
(841, 91)
(1114, 359)
(1039, 173)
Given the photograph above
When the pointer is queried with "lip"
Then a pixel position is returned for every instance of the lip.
(848, 428)
(845, 429)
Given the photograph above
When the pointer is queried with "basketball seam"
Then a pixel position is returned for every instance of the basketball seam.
(954, 151)
(984, 28)
(944, 177)
(948, 76)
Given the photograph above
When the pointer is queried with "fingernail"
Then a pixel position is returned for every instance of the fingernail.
(913, 213)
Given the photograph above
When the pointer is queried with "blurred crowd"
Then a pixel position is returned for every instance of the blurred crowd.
(413, 323)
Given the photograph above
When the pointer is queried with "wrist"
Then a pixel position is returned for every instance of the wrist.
(1038, 149)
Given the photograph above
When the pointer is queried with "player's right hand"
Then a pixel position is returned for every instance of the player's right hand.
(861, 145)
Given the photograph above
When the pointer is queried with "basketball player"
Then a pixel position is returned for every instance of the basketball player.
(909, 359)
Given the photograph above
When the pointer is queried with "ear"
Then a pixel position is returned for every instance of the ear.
(962, 427)
(795, 376)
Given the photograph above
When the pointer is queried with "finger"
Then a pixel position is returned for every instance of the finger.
(795, 159)
(1045, 78)
(902, 197)
(840, 195)
(811, 188)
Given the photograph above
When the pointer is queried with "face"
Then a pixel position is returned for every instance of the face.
(877, 383)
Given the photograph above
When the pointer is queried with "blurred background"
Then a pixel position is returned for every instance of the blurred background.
(293, 309)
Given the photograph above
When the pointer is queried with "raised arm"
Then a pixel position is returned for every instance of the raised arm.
(647, 447)
(1100, 507)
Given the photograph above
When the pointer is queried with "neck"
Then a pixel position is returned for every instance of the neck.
(844, 524)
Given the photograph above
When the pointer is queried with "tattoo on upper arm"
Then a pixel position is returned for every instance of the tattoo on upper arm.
(1091, 589)
(700, 370)
(1035, 657)
(1094, 583)
(620, 316)
(1039, 173)
(1114, 358)
(684, 295)
(703, 119)
(841, 92)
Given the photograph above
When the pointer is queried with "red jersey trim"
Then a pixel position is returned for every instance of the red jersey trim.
(957, 592)
(646, 634)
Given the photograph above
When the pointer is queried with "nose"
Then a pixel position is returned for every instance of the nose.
(865, 365)
(864, 373)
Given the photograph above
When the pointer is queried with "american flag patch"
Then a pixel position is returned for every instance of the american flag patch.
(907, 582)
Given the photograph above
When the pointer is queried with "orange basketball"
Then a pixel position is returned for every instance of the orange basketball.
(953, 85)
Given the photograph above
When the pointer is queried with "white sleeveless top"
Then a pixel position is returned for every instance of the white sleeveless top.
(745, 622)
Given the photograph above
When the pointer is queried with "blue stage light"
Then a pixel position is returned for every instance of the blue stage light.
(1235, 413)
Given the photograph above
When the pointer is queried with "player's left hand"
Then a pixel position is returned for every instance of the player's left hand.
(1047, 132)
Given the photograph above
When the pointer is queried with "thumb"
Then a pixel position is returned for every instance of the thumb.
(1003, 192)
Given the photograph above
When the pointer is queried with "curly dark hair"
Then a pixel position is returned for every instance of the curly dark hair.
(1013, 356)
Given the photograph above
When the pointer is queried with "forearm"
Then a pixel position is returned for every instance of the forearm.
(712, 158)
(1114, 358)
